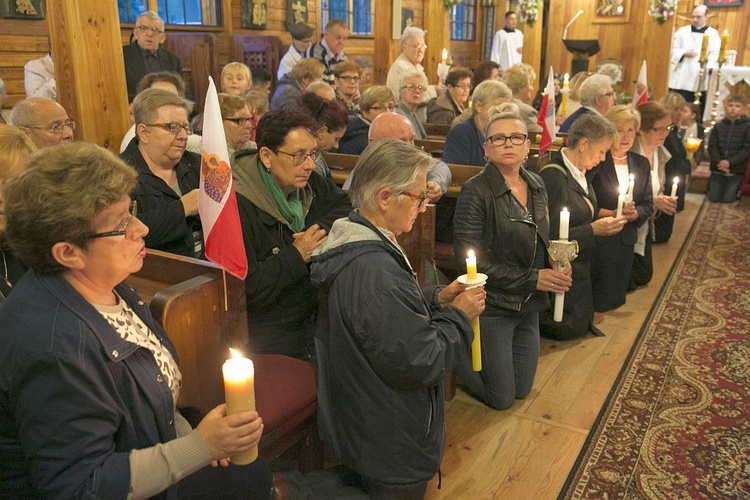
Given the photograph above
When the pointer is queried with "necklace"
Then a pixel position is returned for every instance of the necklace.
(620, 157)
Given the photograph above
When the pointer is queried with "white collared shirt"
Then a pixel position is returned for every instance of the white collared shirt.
(579, 176)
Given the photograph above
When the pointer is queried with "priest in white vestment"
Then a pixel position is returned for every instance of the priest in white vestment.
(507, 44)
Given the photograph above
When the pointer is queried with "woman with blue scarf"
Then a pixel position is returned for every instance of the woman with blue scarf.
(286, 209)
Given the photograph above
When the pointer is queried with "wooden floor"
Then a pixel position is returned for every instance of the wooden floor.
(528, 450)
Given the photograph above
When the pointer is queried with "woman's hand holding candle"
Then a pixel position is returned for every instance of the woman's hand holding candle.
(239, 389)
(229, 435)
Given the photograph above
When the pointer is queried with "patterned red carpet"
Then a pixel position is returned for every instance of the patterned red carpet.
(677, 421)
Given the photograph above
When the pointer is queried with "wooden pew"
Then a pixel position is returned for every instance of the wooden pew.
(188, 297)
(199, 57)
(432, 146)
(340, 165)
(436, 130)
(264, 52)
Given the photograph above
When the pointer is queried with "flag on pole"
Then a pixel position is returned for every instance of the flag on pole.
(640, 94)
(217, 203)
(546, 118)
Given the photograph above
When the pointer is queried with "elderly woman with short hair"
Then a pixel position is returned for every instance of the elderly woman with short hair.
(444, 108)
(285, 209)
(15, 147)
(346, 77)
(238, 123)
(501, 214)
(168, 176)
(412, 89)
(375, 101)
(463, 144)
(384, 344)
(613, 255)
(89, 380)
(520, 79)
(589, 140)
(412, 48)
(597, 96)
(290, 88)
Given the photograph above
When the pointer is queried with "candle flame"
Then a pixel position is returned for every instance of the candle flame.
(726, 32)
(445, 54)
(676, 180)
(235, 353)
(471, 254)
(631, 177)
(565, 209)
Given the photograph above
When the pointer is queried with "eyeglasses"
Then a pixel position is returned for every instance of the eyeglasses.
(414, 88)
(416, 46)
(349, 78)
(608, 94)
(390, 107)
(123, 231)
(238, 121)
(173, 127)
(422, 197)
(58, 127)
(661, 130)
(300, 157)
(462, 87)
(500, 140)
(146, 29)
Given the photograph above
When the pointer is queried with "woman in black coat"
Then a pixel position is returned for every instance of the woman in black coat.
(613, 255)
(565, 179)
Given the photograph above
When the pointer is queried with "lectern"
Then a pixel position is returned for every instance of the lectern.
(581, 50)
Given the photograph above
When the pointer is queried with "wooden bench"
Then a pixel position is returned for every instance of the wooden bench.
(263, 52)
(436, 130)
(188, 297)
(199, 57)
(341, 165)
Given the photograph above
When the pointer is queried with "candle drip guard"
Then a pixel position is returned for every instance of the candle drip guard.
(563, 252)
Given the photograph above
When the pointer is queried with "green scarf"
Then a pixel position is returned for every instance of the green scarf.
(290, 208)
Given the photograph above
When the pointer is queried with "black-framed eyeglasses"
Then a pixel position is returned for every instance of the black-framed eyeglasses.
(122, 231)
(173, 127)
(412, 87)
(300, 157)
(422, 197)
(661, 130)
(146, 29)
(238, 121)
(500, 140)
(389, 107)
(349, 78)
(57, 127)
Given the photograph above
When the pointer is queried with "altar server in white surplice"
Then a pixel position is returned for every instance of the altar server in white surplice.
(686, 50)
(507, 44)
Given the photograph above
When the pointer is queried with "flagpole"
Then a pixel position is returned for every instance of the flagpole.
(226, 299)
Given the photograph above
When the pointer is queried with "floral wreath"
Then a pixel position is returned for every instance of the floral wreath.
(528, 11)
(662, 10)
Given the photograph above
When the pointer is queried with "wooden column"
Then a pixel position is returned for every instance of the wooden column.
(532, 47)
(89, 69)
(386, 48)
(437, 38)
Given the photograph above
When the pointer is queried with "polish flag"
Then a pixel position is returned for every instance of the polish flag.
(640, 94)
(546, 117)
(217, 203)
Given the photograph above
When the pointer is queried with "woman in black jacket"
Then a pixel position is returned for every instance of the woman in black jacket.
(286, 208)
(502, 215)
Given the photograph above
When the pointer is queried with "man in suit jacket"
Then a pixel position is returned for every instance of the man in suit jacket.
(145, 55)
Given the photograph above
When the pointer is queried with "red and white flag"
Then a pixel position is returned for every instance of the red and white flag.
(217, 203)
(546, 117)
(640, 94)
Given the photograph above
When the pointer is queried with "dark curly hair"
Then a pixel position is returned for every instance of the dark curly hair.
(330, 114)
(274, 126)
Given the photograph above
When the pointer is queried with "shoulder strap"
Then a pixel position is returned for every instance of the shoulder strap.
(558, 167)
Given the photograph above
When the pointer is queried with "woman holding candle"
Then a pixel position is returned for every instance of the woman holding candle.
(656, 123)
(286, 208)
(564, 176)
(502, 215)
(88, 379)
(613, 255)
(384, 344)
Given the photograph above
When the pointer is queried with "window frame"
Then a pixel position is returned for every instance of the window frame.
(463, 22)
(325, 16)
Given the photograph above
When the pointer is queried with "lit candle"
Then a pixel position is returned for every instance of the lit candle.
(723, 47)
(620, 201)
(564, 224)
(565, 90)
(674, 187)
(239, 390)
(631, 185)
(693, 144)
(445, 56)
(704, 49)
(471, 266)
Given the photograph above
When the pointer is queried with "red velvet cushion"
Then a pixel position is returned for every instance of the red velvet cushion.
(285, 391)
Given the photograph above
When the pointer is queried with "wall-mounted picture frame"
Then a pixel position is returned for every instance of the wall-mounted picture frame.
(724, 3)
(612, 12)
(22, 9)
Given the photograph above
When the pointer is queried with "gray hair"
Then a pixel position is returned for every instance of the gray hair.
(504, 111)
(410, 32)
(489, 90)
(592, 87)
(147, 103)
(152, 16)
(412, 74)
(592, 127)
(25, 113)
(388, 163)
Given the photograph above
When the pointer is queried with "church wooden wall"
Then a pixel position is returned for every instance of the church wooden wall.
(19, 43)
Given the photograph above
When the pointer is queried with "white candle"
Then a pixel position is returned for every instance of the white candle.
(239, 391)
(559, 303)
(631, 185)
(564, 223)
(674, 187)
(445, 56)
(471, 266)
(620, 202)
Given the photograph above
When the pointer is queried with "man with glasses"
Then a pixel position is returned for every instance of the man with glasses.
(302, 39)
(146, 55)
(44, 121)
(507, 44)
(330, 50)
(597, 96)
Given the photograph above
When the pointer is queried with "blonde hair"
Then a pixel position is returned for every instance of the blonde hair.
(672, 101)
(621, 114)
(518, 76)
(375, 95)
(504, 111)
(238, 67)
(15, 147)
(230, 104)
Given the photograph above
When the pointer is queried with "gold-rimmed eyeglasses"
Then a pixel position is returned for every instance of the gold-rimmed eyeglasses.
(123, 230)
(300, 157)
(57, 127)
(173, 127)
(422, 197)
